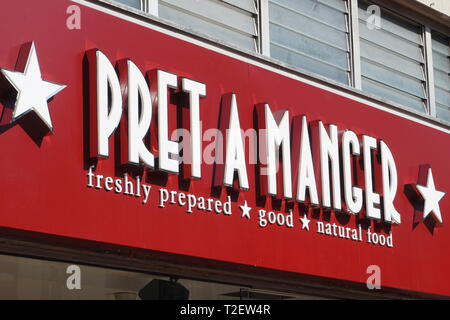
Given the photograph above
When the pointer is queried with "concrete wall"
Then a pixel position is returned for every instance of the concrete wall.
(440, 5)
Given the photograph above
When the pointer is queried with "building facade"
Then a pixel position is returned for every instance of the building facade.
(225, 149)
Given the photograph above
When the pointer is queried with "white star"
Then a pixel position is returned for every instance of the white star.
(305, 222)
(245, 210)
(431, 198)
(32, 92)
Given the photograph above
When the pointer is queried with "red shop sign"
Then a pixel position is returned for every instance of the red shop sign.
(153, 142)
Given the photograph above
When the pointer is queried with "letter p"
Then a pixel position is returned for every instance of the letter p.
(105, 102)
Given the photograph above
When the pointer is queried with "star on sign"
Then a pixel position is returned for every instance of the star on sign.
(245, 210)
(32, 91)
(431, 198)
(305, 222)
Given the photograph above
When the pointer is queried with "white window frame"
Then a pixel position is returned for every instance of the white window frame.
(264, 27)
(355, 51)
(429, 67)
(150, 6)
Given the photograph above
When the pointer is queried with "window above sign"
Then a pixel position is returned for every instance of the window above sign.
(312, 35)
(441, 72)
(132, 3)
(234, 22)
(392, 59)
(357, 43)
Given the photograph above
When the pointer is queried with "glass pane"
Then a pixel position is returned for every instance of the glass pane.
(442, 96)
(25, 278)
(219, 20)
(309, 64)
(440, 44)
(216, 12)
(132, 3)
(308, 46)
(391, 42)
(248, 5)
(441, 68)
(307, 26)
(443, 112)
(312, 35)
(339, 5)
(392, 78)
(441, 79)
(393, 25)
(441, 61)
(315, 10)
(392, 59)
(392, 94)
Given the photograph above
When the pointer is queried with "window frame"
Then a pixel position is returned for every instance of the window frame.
(430, 33)
(350, 51)
(427, 28)
(424, 51)
(429, 67)
(151, 7)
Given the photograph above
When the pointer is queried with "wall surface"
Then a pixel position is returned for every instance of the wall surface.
(440, 5)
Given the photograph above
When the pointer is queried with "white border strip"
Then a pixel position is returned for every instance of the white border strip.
(258, 64)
